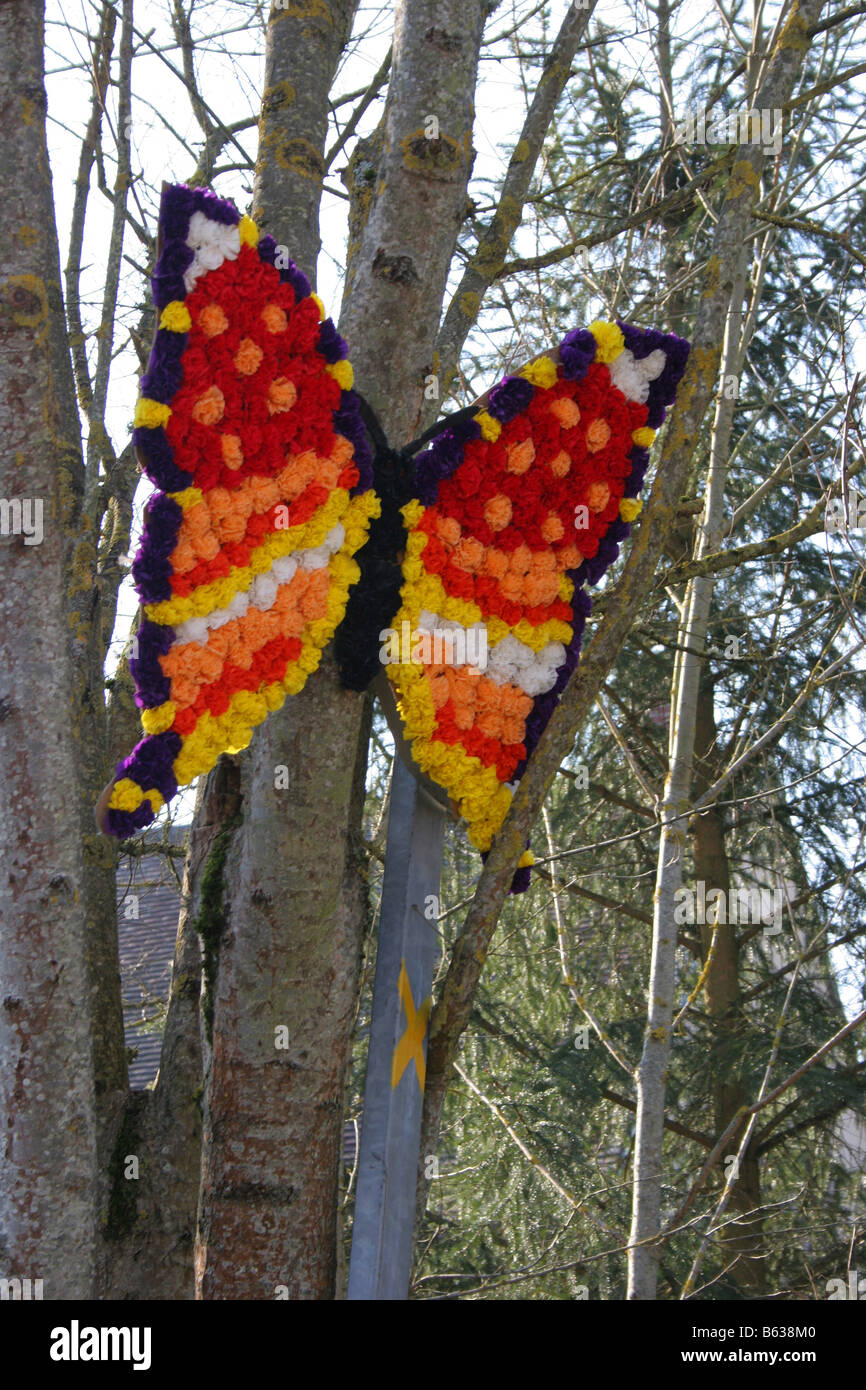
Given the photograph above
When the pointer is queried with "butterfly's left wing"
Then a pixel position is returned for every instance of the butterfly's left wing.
(515, 510)
(248, 427)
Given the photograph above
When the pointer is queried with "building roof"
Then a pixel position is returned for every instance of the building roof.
(148, 905)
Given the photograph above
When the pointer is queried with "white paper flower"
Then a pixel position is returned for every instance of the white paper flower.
(654, 365)
(212, 243)
(264, 591)
(285, 568)
(626, 374)
(193, 630)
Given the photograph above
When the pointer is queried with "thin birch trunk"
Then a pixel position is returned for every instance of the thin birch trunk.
(782, 69)
(674, 813)
(720, 951)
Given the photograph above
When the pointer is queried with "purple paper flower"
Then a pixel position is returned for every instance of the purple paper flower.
(639, 466)
(289, 274)
(164, 374)
(332, 347)
(509, 398)
(348, 422)
(521, 881)
(151, 568)
(153, 687)
(442, 458)
(157, 459)
(640, 342)
(123, 824)
(179, 202)
(577, 353)
(149, 765)
(167, 279)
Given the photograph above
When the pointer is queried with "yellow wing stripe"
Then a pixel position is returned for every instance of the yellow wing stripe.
(354, 513)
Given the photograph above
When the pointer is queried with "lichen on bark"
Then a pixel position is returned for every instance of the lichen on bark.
(210, 920)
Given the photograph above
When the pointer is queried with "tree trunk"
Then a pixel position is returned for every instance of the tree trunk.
(91, 597)
(293, 881)
(740, 1241)
(727, 271)
(48, 1163)
(272, 1117)
(652, 1070)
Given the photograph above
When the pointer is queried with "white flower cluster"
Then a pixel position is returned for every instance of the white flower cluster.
(468, 645)
(512, 662)
(633, 377)
(263, 590)
(212, 243)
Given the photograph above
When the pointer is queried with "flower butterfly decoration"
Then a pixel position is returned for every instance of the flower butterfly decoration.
(274, 528)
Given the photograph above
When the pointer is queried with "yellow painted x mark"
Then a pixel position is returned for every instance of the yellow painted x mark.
(411, 1045)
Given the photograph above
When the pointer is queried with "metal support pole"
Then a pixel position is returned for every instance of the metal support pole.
(381, 1258)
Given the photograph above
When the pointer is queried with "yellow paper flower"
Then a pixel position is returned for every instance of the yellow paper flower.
(189, 497)
(157, 720)
(343, 373)
(542, 372)
(175, 317)
(149, 415)
(249, 231)
(609, 340)
(490, 428)
(126, 795)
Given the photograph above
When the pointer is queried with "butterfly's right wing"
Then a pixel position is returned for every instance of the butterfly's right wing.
(515, 510)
